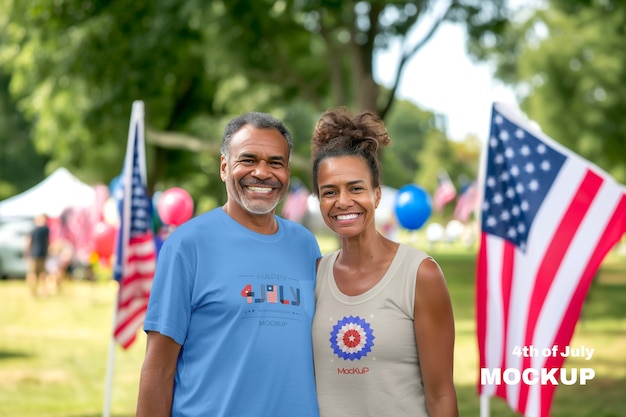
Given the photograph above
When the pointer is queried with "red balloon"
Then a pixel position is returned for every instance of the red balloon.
(104, 239)
(175, 206)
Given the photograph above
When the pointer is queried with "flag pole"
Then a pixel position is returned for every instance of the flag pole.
(484, 405)
(137, 114)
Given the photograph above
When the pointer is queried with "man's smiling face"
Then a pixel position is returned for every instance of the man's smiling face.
(257, 170)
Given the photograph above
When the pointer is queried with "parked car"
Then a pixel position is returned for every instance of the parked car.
(13, 237)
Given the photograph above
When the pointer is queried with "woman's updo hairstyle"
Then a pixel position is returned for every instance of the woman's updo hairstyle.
(340, 133)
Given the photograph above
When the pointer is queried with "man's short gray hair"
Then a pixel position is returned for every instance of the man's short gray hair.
(258, 120)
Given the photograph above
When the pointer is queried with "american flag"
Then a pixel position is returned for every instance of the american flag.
(295, 206)
(466, 203)
(445, 191)
(135, 258)
(549, 217)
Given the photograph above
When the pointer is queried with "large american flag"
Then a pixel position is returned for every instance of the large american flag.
(549, 217)
(135, 258)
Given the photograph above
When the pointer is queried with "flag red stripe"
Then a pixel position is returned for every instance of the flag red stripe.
(481, 304)
(143, 295)
(126, 338)
(610, 236)
(125, 343)
(551, 262)
(137, 276)
(139, 270)
(131, 311)
(130, 315)
(142, 257)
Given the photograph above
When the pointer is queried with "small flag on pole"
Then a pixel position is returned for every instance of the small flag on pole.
(445, 191)
(549, 217)
(466, 203)
(295, 206)
(135, 258)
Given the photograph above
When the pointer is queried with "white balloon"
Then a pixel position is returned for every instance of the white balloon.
(454, 230)
(110, 212)
(434, 232)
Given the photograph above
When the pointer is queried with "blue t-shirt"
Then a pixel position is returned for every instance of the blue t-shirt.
(241, 305)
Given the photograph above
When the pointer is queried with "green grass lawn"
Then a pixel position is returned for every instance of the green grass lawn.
(53, 350)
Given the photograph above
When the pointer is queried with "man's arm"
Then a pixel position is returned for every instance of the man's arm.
(156, 384)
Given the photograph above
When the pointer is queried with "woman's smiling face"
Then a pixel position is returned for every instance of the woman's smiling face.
(348, 200)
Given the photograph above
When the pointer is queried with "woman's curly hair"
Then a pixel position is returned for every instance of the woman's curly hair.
(341, 133)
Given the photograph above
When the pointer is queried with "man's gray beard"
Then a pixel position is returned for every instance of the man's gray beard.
(255, 209)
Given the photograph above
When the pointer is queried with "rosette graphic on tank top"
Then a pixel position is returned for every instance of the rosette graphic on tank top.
(352, 338)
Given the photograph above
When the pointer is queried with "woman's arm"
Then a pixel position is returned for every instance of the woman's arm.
(434, 334)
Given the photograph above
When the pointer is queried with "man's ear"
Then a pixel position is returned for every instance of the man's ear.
(223, 166)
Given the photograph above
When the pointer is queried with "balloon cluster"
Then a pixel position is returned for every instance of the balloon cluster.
(413, 206)
(104, 240)
(170, 208)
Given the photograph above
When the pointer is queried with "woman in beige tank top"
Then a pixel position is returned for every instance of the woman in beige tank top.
(383, 332)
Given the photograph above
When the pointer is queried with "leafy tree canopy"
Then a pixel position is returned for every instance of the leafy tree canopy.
(76, 66)
(569, 77)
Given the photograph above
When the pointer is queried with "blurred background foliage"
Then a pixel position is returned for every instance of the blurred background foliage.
(70, 70)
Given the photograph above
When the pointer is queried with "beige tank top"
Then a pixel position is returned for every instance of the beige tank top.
(366, 361)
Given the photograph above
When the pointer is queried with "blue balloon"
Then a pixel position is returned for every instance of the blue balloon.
(412, 206)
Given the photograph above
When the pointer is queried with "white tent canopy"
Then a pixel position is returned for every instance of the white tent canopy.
(59, 191)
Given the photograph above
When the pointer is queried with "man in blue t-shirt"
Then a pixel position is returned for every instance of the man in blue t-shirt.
(229, 318)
